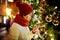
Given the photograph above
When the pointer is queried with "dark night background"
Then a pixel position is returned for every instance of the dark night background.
(54, 3)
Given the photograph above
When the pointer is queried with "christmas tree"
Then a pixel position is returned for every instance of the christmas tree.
(47, 16)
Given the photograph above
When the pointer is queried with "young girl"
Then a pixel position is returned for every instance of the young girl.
(19, 29)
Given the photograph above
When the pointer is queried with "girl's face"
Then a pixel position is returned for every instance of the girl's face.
(28, 17)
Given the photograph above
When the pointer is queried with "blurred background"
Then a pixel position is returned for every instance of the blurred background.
(46, 17)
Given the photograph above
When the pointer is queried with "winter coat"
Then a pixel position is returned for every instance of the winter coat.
(17, 32)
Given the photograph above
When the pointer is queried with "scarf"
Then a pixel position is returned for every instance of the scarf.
(21, 21)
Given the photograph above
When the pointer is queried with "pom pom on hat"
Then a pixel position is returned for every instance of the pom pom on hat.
(24, 8)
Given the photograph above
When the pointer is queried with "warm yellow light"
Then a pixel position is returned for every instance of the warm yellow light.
(8, 11)
(10, 0)
(52, 38)
(50, 34)
(13, 16)
(56, 7)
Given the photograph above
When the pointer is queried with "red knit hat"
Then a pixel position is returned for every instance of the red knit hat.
(24, 8)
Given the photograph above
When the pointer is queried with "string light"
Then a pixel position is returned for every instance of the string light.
(10, 0)
(8, 11)
(55, 7)
(52, 38)
(37, 1)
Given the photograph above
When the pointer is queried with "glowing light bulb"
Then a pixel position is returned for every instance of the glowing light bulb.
(10, 0)
(52, 38)
(8, 11)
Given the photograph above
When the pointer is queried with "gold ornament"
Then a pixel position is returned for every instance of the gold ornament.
(48, 18)
(55, 15)
(55, 22)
